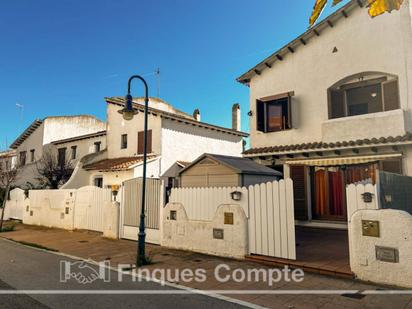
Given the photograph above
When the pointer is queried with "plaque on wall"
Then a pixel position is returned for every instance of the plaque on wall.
(386, 254)
(229, 218)
(218, 234)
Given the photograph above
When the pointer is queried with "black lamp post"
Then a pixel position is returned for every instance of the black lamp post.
(128, 113)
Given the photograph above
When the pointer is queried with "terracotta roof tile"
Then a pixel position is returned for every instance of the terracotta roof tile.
(117, 164)
(320, 145)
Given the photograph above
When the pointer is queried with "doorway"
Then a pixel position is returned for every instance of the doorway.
(329, 188)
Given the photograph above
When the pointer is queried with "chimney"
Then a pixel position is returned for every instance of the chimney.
(236, 117)
(196, 114)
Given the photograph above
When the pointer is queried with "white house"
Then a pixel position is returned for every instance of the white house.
(64, 134)
(172, 136)
(332, 107)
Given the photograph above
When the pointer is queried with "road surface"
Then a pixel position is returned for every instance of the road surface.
(26, 268)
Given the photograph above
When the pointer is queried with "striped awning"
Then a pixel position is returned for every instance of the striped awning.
(343, 160)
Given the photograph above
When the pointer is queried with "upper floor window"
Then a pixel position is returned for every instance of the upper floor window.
(140, 142)
(74, 152)
(97, 146)
(363, 94)
(61, 156)
(274, 113)
(32, 155)
(123, 143)
(22, 158)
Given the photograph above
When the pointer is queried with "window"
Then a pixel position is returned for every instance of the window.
(23, 158)
(74, 152)
(123, 141)
(363, 95)
(97, 146)
(61, 156)
(274, 114)
(32, 157)
(140, 142)
(392, 166)
(98, 182)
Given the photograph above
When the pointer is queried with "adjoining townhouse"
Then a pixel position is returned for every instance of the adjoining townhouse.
(332, 107)
(172, 136)
(60, 134)
(7, 159)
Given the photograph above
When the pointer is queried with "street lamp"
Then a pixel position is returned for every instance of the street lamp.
(128, 113)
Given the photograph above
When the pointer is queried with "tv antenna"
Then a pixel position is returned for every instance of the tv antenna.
(157, 73)
(21, 108)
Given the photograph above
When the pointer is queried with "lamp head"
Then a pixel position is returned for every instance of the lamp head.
(128, 112)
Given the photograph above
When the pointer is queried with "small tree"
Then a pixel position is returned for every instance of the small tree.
(8, 177)
(376, 7)
(53, 170)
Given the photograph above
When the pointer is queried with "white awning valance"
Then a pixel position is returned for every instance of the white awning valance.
(343, 160)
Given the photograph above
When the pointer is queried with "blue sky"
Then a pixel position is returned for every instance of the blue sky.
(63, 57)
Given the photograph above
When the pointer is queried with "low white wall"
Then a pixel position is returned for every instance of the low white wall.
(395, 232)
(111, 214)
(51, 208)
(15, 207)
(198, 236)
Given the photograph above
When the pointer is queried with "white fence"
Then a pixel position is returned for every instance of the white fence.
(16, 205)
(355, 200)
(268, 206)
(89, 208)
(201, 203)
(272, 220)
(68, 209)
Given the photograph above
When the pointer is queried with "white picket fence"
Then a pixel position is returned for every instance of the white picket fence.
(272, 219)
(354, 198)
(268, 206)
(201, 203)
(89, 206)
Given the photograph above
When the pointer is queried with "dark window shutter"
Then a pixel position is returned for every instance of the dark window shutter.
(297, 174)
(337, 104)
(140, 142)
(392, 166)
(260, 116)
(149, 141)
(391, 95)
(289, 113)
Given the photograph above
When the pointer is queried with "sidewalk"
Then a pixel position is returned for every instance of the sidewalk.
(91, 245)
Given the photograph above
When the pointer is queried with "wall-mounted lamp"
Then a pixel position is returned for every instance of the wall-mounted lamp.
(250, 113)
(367, 197)
(236, 195)
(115, 191)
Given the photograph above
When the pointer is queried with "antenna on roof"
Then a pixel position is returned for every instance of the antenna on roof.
(157, 73)
(21, 108)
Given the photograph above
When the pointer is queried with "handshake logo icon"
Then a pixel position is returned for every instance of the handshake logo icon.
(84, 272)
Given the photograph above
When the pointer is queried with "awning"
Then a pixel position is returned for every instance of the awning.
(343, 160)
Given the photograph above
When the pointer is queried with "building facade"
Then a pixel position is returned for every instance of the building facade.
(172, 136)
(64, 136)
(333, 106)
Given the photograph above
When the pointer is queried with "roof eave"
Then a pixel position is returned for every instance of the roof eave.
(300, 40)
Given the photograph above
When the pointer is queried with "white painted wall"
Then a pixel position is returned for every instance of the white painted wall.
(197, 236)
(395, 232)
(382, 44)
(84, 147)
(182, 142)
(58, 128)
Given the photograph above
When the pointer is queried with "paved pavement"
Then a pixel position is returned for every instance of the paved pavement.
(92, 245)
(25, 268)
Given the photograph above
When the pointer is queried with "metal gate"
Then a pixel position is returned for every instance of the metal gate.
(130, 210)
(271, 221)
(89, 207)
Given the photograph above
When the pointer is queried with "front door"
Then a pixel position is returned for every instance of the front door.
(329, 193)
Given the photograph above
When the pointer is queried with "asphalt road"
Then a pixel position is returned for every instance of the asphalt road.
(25, 268)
